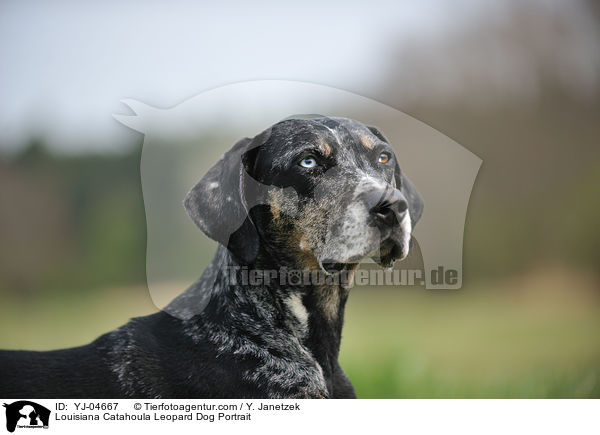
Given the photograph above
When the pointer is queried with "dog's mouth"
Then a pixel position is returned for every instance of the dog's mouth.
(332, 267)
(389, 251)
(385, 255)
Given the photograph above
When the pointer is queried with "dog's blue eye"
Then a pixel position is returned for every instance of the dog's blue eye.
(384, 158)
(308, 162)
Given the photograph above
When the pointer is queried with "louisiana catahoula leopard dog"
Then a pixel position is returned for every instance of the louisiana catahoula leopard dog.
(314, 194)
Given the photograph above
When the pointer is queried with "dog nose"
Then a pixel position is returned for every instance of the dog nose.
(387, 206)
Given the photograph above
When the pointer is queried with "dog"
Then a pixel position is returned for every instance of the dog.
(310, 193)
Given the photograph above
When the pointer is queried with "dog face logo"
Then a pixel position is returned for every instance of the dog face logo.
(26, 414)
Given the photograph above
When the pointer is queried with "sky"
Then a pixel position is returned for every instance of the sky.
(66, 65)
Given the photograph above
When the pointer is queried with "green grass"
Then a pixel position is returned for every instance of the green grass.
(533, 336)
(530, 338)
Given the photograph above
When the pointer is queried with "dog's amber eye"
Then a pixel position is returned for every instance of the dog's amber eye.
(384, 158)
(308, 162)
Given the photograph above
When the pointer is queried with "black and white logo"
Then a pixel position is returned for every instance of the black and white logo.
(25, 414)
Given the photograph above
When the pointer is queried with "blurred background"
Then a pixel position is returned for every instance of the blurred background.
(515, 82)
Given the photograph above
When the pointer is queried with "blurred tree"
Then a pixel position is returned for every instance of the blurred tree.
(70, 222)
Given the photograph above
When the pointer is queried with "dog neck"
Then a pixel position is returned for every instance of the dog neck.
(250, 298)
(314, 298)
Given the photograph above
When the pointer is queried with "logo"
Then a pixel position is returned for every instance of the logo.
(26, 414)
(183, 142)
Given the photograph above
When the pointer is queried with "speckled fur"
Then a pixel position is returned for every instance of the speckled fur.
(221, 339)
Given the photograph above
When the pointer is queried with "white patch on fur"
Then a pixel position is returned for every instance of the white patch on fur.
(297, 308)
(406, 232)
(213, 185)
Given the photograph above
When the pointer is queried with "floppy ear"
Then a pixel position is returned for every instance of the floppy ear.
(217, 205)
(415, 202)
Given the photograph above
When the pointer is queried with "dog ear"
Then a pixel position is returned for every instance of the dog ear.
(217, 203)
(415, 202)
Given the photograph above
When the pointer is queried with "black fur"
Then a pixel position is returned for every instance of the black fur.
(223, 339)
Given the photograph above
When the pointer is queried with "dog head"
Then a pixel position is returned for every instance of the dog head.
(309, 192)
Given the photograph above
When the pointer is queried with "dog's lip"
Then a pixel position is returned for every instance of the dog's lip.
(389, 251)
(336, 265)
(331, 266)
(384, 253)
(388, 245)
